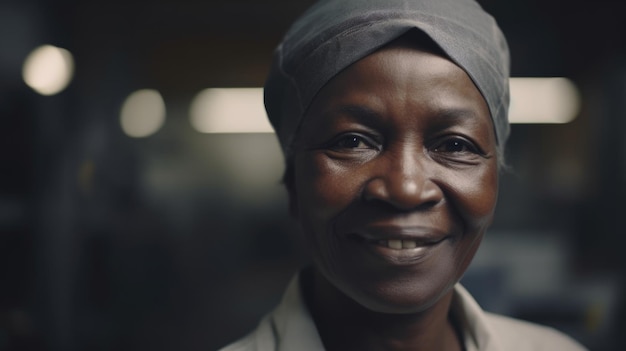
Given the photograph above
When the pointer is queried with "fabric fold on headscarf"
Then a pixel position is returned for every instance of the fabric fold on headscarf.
(333, 34)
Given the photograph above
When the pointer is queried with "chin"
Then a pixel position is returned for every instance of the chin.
(395, 295)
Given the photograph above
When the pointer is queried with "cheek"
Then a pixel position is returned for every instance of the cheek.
(466, 253)
(477, 197)
(476, 201)
(323, 189)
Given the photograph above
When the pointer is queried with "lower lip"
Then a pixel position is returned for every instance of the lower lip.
(400, 256)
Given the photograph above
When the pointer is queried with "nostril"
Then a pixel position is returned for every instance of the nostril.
(404, 193)
(376, 189)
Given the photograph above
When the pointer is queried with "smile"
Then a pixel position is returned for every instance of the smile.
(398, 237)
(398, 244)
(398, 250)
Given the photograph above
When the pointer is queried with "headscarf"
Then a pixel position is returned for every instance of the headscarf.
(333, 34)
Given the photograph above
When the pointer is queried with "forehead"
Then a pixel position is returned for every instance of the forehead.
(401, 79)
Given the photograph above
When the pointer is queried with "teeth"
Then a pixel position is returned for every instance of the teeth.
(409, 244)
(394, 244)
(398, 244)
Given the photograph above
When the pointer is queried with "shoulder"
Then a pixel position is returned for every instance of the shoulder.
(488, 331)
(244, 344)
(520, 335)
(261, 339)
(288, 327)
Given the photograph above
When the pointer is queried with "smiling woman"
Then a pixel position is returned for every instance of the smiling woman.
(392, 116)
(395, 220)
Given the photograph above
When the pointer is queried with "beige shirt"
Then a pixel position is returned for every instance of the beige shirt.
(290, 328)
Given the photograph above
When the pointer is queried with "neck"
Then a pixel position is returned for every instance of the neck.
(344, 324)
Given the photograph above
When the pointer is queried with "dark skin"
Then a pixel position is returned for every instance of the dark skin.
(395, 182)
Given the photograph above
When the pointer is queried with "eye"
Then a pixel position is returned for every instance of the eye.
(352, 141)
(457, 145)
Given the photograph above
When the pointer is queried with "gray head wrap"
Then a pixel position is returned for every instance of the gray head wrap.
(333, 34)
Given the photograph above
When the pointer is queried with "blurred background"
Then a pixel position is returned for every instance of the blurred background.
(147, 233)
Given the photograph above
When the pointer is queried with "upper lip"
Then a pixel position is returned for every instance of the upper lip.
(422, 234)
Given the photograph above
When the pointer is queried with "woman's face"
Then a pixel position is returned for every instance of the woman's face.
(396, 178)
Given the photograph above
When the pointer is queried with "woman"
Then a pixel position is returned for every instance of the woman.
(392, 118)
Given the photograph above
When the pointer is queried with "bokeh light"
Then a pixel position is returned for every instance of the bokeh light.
(143, 113)
(241, 110)
(48, 69)
(543, 100)
(229, 110)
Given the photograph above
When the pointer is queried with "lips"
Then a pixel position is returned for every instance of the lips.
(400, 237)
(398, 244)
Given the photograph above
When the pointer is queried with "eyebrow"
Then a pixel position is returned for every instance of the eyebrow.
(469, 119)
(362, 113)
(366, 115)
(457, 115)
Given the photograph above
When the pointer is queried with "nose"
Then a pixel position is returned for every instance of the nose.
(404, 182)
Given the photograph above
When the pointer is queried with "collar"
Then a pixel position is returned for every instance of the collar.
(294, 327)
